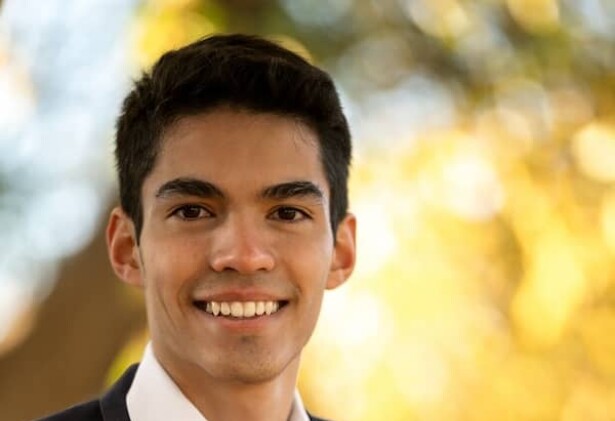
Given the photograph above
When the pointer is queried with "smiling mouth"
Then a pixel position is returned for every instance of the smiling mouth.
(240, 309)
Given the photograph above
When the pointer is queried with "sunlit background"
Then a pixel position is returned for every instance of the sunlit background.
(483, 180)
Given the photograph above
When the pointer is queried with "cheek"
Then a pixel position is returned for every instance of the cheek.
(172, 266)
(311, 266)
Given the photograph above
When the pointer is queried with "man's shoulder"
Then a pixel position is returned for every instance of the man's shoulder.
(87, 411)
(111, 407)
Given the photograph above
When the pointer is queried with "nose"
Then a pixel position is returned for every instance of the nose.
(242, 247)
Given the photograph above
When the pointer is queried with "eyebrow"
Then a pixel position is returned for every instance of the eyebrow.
(204, 189)
(293, 189)
(189, 187)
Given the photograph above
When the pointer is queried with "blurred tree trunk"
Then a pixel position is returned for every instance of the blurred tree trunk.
(79, 330)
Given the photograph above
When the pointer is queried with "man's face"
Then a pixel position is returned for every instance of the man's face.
(236, 219)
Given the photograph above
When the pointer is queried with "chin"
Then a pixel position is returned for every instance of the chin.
(251, 367)
(252, 374)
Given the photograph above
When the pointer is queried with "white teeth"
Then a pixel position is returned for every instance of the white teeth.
(225, 309)
(239, 309)
(236, 309)
(249, 309)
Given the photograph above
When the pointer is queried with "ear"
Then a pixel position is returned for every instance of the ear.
(344, 252)
(123, 248)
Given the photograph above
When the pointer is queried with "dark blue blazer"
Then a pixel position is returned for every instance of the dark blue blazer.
(111, 407)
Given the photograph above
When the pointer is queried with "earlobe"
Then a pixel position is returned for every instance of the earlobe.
(122, 248)
(344, 252)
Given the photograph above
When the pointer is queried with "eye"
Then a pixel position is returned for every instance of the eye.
(191, 212)
(289, 214)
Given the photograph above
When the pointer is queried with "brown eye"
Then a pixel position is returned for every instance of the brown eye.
(190, 212)
(289, 214)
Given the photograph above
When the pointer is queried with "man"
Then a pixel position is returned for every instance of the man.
(233, 158)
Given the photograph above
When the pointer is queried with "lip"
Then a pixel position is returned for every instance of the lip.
(241, 295)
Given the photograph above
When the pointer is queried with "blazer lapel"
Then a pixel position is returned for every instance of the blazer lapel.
(113, 403)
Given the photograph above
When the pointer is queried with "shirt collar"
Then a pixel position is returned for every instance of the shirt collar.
(154, 396)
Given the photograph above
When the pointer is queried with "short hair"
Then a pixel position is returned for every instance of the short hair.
(241, 71)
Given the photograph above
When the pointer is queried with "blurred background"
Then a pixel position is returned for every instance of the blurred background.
(483, 180)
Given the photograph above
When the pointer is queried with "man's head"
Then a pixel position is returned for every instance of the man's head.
(233, 157)
(240, 72)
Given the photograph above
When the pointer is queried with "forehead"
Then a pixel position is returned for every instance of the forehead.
(239, 149)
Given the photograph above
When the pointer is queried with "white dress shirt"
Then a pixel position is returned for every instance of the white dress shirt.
(154, 396)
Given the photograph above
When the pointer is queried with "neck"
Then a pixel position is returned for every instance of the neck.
(231, 400)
